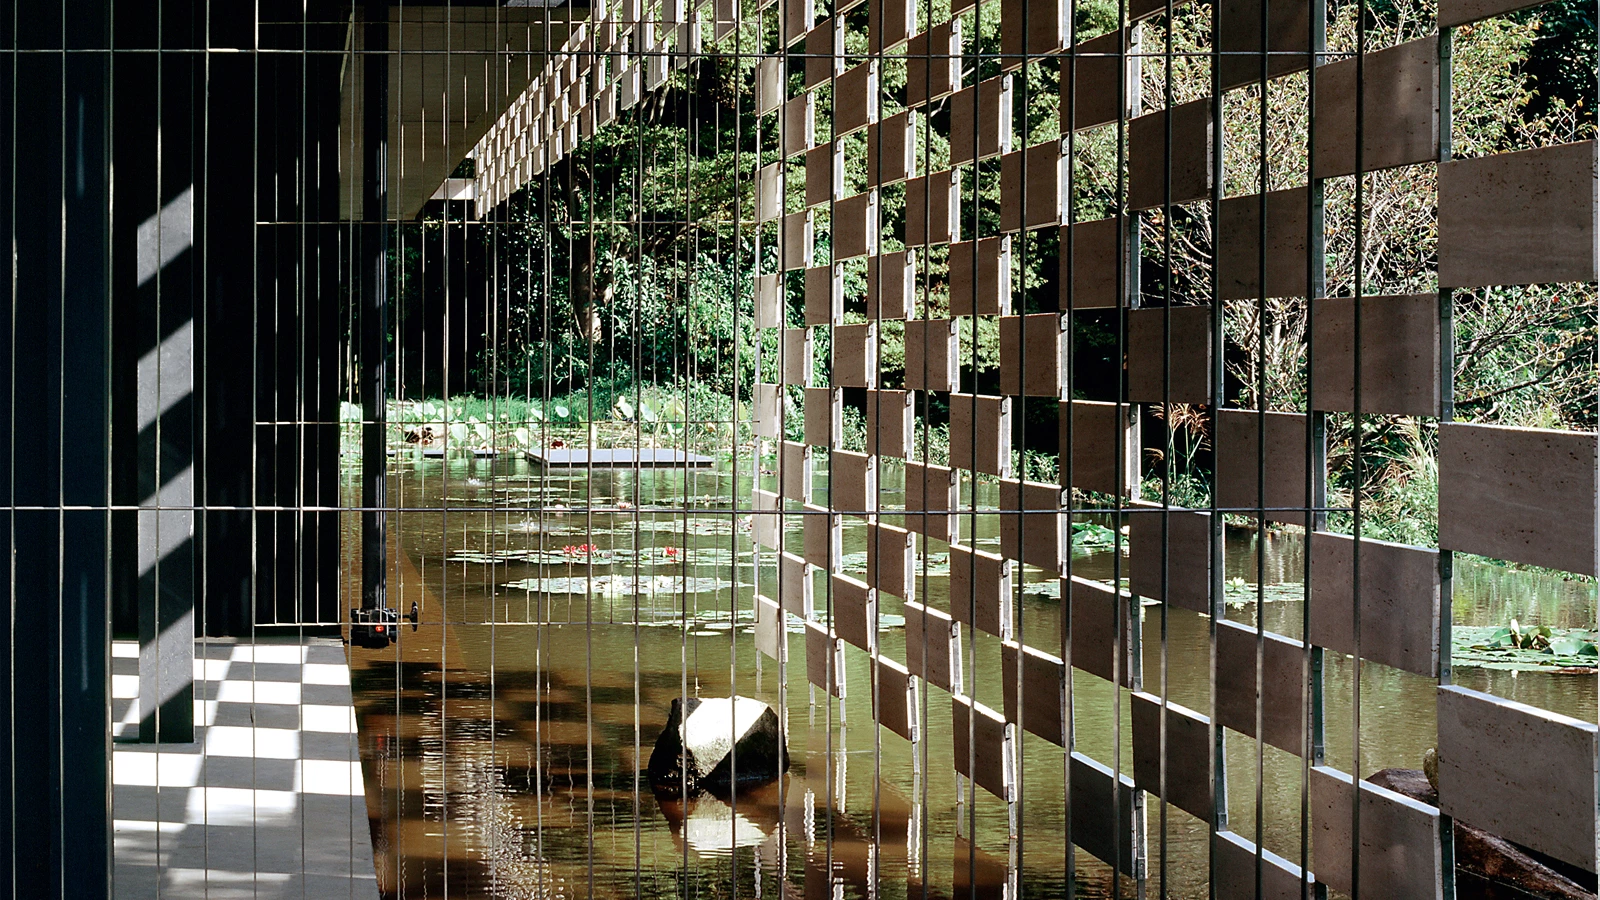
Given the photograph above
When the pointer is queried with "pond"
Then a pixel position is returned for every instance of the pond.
(504, 738)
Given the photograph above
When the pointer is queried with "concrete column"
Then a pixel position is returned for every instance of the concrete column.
(374, 301)
(166, 565)
(54, 376)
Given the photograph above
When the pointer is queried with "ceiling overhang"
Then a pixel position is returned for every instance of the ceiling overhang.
(453, 71)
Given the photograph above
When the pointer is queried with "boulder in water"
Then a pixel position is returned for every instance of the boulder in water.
(717, 745)
(1489, 867)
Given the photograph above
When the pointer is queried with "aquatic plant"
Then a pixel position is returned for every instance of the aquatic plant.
(1520, 647)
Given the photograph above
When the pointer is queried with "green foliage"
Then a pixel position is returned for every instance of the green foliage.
(1087, 536)
(640, 253)
(1524, 648)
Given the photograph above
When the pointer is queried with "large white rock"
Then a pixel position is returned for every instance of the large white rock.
(721, 744)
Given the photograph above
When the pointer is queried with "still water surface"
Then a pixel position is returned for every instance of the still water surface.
(503, 739)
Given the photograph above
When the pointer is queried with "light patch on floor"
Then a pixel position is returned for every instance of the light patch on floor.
(268, 802)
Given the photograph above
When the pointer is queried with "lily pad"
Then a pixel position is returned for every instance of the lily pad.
(620, 585)
(1240, 594)
(1483, 646)
(1090, 536)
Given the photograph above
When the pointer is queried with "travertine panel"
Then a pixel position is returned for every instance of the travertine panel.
(980, 120)
(1096, 432)
(1239, 262)
(931, 355)
(892, 148)
(1520, 772)
(852, 482)
(726, 18)
(769, 192)
(1172, 343)
(891, 560)
(980, 434)
(799, 124)
(821, 534)
(766, 414)
(933, 63)
(855, 612)
(1032, 187)
(769, 84)
(933, 209)
(1036, 535)
(1284, 666)
(794, 585)
(1188, 754)
(1090, 76)
(1399, 601)
(983, 750)
(855, 98)
(822, 416)
(933, 642)
(1399, 366)
(1190, 159)
(980, 277)
(890, 278)
(769, 630)
(796, 240)
(794, 471)
(824, 51)
(1042, 700)
(1047, 25)
(824, 295)
(980, 590)
(1241, 452)
(1520, 494)
(1102, 813)
(1099, 646)
(1033, 354)
(1091, 258)
(889, 426)
(769, 301)
(1460, 12)
(824, 178)
(1188, 558)
(797, 353)
(1400, 855)
(766, 527)
(1234, 871)
(855, 226)
(855, 355)
(1401, 106)
(896, 700)
(930, 496)
(798, 18)
(823, 667)
(1239, 38)
(890, 23)
(1519, 218)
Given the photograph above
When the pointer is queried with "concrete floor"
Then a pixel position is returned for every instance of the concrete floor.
(268, 801)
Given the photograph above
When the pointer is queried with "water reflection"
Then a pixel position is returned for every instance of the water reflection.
(709, 827)
(505, 739)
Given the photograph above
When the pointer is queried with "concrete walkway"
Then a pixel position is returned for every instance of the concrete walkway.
(267, 802)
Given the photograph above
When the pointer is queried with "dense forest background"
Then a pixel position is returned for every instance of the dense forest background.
(627, 268)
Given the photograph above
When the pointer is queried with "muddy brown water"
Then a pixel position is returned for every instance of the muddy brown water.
(503, 739)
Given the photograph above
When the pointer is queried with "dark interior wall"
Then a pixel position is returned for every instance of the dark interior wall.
(54, 352)
(93, 141)
(254, 135)
(302, 252)
(443, 304)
